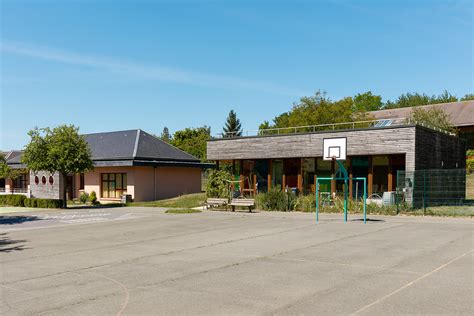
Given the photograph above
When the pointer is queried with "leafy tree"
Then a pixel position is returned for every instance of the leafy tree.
(367, 102)
(444, 97)
(417, 99)
(407, 100)
(317, 110)
(165, 135)
(232, 127)
(193, 141)
(468, 97)
(60, 150)
(433, 117)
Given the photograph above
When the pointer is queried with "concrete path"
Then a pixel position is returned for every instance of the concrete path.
(141, 261)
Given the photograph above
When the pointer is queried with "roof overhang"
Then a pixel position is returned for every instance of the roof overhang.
(152, 163)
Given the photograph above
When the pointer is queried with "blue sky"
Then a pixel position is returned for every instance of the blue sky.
(112, 65)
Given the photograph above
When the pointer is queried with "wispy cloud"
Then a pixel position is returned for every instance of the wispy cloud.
(145, 71)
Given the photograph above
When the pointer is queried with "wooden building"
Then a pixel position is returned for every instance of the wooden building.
(294, 161)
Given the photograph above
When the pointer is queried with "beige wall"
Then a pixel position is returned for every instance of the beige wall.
(92, 179)
(171, 182)
(144, 186)
(148, 183)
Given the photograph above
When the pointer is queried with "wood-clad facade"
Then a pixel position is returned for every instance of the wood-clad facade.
(295, 160)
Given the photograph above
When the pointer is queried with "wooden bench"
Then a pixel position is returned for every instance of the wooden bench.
(216, 202)
(242, 202)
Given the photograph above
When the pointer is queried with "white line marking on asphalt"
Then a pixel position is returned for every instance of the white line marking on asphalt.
(411, 283)
(124, 288)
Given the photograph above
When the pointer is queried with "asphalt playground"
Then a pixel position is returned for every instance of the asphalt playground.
(141, 261)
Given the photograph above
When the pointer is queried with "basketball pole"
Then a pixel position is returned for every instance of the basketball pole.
(345, 176)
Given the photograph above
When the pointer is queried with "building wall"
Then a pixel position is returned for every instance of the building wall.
(438, 150)
(144, 184)
(92, 180)
(395, 140)
(47, 190)
(149, 183)
(174, 181)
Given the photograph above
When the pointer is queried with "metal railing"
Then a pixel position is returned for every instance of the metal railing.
(328, 127)
(4, 191)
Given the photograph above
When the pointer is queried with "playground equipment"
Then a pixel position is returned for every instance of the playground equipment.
(335, 149)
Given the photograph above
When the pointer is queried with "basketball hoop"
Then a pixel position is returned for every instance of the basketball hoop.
(335, 148)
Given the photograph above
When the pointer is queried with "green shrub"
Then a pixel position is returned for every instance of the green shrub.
(43, 203)
(276, 200)
(305, 203)
(31, 202)
(84, 198)
(12, 200)
(470, 165)
(218, 184)
(93, 197)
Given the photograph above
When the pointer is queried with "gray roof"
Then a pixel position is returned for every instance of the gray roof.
(13, 159)
(134, 144)
(129, 148)
(460, 113)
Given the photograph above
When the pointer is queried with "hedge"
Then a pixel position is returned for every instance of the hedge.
(12, 200)
(21, 200)
(43, 203)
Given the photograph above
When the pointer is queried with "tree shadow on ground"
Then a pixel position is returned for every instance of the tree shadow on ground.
(9, 245)
(17, 219)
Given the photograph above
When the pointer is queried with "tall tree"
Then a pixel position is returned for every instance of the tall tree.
(367, 102)
(316, 110)
(433, 117)
(165, 135)
(60, 150)
(232, 127)
(193, 141)
(416, 99)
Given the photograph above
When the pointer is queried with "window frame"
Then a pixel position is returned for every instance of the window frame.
(117, 191)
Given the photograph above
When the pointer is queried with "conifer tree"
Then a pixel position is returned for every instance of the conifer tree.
(232, 127)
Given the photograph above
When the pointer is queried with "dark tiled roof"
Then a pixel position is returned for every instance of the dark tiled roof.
(460, 113)
(14, 156)
(150, 147)
(133, 144)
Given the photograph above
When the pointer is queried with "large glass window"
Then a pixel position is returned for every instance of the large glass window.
(113, 185)
(309, 171)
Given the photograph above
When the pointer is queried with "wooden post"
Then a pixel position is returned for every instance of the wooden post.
(390, 174)
(269, 176)
(315, 182)
(217, 164)
(254, 185)
(242, 182)
(300, 176)
(333, 174)
(350, 177)
(283, 182)
(233, 168)
(370, 177)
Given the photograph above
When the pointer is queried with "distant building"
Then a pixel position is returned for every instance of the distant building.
(461, 115)
(129, 162)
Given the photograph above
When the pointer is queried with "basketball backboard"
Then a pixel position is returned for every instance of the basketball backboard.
(334, 148)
